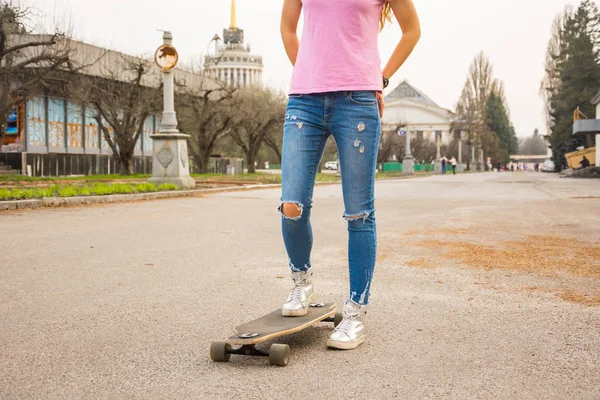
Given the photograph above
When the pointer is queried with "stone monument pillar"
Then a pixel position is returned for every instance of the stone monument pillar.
(438, 156)
(408, 162)
(170, 163)
(460, 167)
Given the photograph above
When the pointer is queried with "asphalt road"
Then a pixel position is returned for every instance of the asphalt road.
(487, 287)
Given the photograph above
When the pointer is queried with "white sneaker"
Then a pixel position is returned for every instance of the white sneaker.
(300, 296)
(350, 333)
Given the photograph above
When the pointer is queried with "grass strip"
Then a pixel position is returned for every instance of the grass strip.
(94, 189)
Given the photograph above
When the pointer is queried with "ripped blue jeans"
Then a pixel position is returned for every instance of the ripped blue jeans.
(353, 120)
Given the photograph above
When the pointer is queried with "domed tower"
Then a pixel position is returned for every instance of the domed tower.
(237, 66)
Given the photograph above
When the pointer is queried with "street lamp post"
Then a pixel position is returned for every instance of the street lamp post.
(170, 163)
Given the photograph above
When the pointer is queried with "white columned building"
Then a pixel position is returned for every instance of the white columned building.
(237, 66)
(421, 116)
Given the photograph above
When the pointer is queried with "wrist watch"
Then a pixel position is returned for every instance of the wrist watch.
(386, 82)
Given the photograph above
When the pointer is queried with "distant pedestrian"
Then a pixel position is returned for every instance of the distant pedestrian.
(454, 163)
(498, 166)
(584, 163)
(444, 164)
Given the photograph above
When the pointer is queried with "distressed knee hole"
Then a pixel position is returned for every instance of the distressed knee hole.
(291, 211)
(364, 216)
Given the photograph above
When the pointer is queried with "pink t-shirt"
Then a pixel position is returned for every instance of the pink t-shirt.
(339, 49)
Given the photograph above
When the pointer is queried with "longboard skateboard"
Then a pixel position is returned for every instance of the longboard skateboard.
(271, 326)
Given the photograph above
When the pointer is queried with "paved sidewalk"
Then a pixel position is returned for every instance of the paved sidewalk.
(487, 287)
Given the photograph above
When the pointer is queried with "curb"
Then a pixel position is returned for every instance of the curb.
(120, 198)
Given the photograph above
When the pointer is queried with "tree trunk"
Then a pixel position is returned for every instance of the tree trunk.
(126, 163)
(468, 167)
(250, 158)
(198, 167)
(203, 161)
(206, 154)
(126, 167)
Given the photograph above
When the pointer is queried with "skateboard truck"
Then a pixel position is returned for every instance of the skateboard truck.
(248, 350)
(279, 354)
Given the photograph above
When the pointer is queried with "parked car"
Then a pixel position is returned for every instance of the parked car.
(548, 166)
(331, 165)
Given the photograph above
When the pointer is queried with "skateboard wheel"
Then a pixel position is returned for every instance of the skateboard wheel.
(339, 316)
(279, 354)
(219, 351)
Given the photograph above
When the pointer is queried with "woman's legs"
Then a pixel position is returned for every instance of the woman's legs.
(357, 131)
(356, 127)
(303, 145)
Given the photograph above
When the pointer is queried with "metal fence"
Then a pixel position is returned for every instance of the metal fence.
(61, 164)
(397, 167)
(228, 166)
(13, 160)
(37, 164)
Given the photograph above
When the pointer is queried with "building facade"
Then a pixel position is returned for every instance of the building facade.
(421, 116)
(51, 135)
(591, 127)
(236, 66)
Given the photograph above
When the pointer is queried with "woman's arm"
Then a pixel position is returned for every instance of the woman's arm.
(406, 14)
(289, 24)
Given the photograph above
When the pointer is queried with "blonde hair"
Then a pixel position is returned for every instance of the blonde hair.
(386, 15)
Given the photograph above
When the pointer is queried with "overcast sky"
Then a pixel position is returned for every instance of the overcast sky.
(513, 33)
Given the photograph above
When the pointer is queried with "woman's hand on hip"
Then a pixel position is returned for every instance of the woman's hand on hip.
(381, 101)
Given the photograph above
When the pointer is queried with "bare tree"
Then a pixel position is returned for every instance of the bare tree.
(467, 118)
(123, 100)
(258, 114)
(471, 108)
(390, 144)
(206, 115)
(274, 142)
(27, 62)
(423, 150)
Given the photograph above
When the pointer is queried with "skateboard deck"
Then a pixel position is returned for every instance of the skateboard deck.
(271, 326)
(274, 325)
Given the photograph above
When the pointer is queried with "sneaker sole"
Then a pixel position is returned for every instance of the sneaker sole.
(297, 313)
(334, 344)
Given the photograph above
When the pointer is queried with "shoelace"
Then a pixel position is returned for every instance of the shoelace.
(296, 293)
(346, 325)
